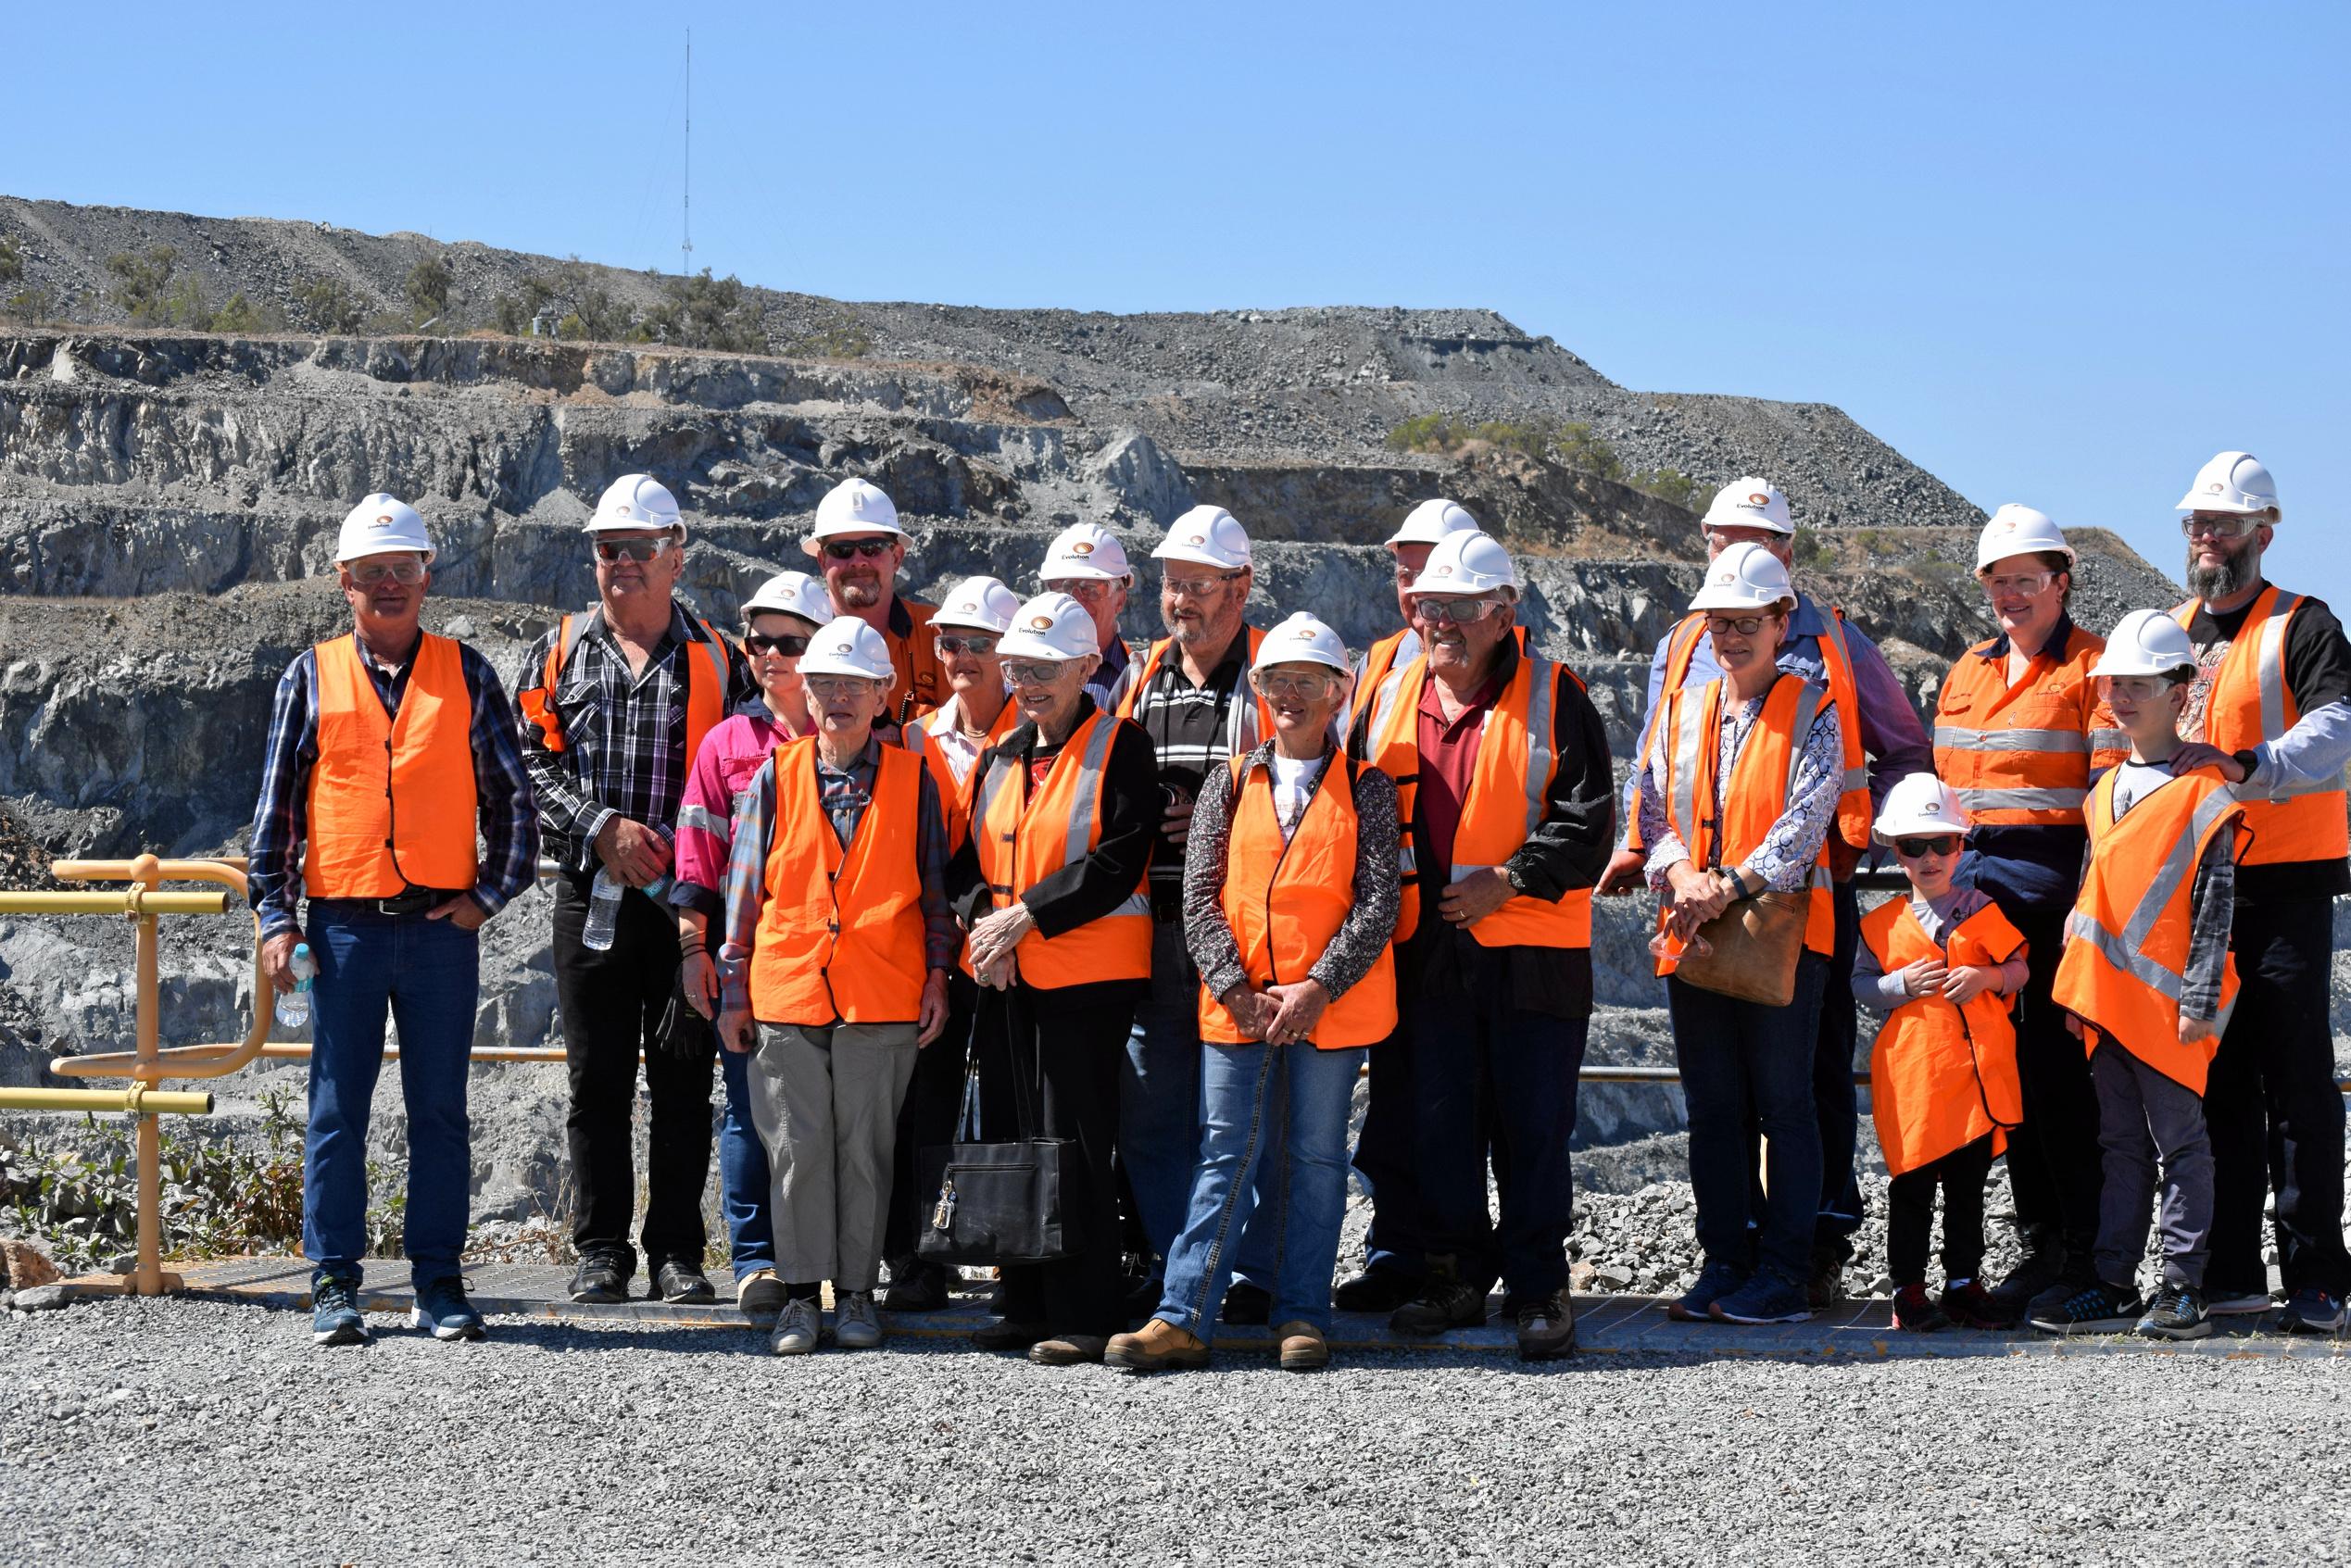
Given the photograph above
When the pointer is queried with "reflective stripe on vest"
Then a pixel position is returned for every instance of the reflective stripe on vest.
(2252, 703)
(1942, 1075)
(1836, 661)
(2022, 752)
(390, 804)
(1020, 841)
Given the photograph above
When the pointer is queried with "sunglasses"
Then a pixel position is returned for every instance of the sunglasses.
(2219, 527)
(852, 550)
(409, 572)
(1737, 625)
(978, 646)
(1454, 612)
(1942, 844)
(631, 549)
(787, 644)
(1039, 675)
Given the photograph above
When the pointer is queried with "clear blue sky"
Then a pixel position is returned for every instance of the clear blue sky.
(2056, 254)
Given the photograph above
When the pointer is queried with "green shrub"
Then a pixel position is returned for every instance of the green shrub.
(428, 288)
(328, 305)
(706, 312)
(240, 315)
(147, 290)
(1675, 488)
(1811, 551)
(11, 261)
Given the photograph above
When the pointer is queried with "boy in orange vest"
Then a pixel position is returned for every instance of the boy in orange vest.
(2148, 977)
(1944, 966)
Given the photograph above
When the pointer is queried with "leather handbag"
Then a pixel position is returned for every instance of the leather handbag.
(1756, 941)
(996, 1202)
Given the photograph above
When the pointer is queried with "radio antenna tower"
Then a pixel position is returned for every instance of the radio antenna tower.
(685, 200)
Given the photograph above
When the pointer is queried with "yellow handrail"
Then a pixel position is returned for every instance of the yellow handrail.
(155, 1103)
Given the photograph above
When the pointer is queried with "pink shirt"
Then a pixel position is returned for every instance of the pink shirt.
(731, 756)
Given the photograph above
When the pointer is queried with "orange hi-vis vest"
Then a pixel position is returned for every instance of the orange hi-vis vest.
(1763, 779)
(2126, 954)
(706, 686)
(2252, 703)
(1251, 719)
(1020, 842)
(840, 936)
(1509, 791)
(917, 738)
(1942, 1074)
(2024, 753)
(1285, 901)
(391, 802)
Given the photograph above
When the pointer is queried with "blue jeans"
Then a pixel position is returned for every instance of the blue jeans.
(426, 975)
(1159, 1109)
(1747, 1066)
(743, 1173)
(1306, 1137)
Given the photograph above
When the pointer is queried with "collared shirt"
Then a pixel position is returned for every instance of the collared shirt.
(1448, 757)
(623, 734)
(723, 768)
(1111, 678)
(844, 794)
(944, 726)
(1191, 727)
(1784, 859)
(501, 785)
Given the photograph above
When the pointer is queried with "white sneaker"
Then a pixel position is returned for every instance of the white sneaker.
(798, 1327)
(855, 1326)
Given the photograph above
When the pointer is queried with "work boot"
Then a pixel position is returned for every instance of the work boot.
(1375, 1290)
(334, 1311)
(1445, 1302)
(917, 1285)
(1917, 1312)
(1247, 1305)
(601, 1280)
(1547, 1328)
(1303, 1348)
(1067, 1349)
(761, 1294)
(1158, 1345)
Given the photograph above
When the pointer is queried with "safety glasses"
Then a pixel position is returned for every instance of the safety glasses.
(1912, 848)
(1305, 688)
(979, 648)
(408, 571)
(609, 550)
(1042, 673)
(1454, 612)
(789, 646)
(2224, 526)
(833, 688)
(854, 549)
(1086, 589)
(1195, 587)
(2030, 585)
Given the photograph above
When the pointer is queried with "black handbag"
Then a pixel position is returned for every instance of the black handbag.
(996, 1202)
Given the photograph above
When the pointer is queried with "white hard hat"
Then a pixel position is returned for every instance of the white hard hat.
(981, 603)
(1466, 563)
(1749, 503)
(791, 593)
(2145, 642)
(1302, 639)
(852, 506)
(1086, 551)
(1745, 576)
(2018, 530)
(2234, 481)
(379, 525)
(1430, 521)
(847, 645)
(1206, 536)
(1050, 626)
(1919, 805)
(635, 501)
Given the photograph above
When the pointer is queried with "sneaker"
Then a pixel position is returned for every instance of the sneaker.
(2043, 1266)
(2177, 1312)
(1158, 1345)
(601, 1280)
(855, 1325)
(2238, 1302)
(2097, 1308)
(334, 1311)
(2077, 1275)
(441, 1307)
(1248, 1305)
(1971, 1306)
(1715, 1282)
(1375, 1290)
(1445, 1302)
(1917, 1312)
(1547, 1328)
(1007, 1334)
(1303, 1348)
(760, 1294)
(1827, 1285)
(1068, 1350)
(1765, 1298)
(798, 1327)
(679, 1282)
(916, 1286)
(2312, 1310)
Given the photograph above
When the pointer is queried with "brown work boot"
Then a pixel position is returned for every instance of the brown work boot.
(1067, 1349)
(1303, 1347)
(1160, 1345)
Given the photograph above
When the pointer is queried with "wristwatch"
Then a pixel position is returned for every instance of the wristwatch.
(1510, 875)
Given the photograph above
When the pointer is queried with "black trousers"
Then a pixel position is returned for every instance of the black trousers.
(611, 1003)
(926, 1117)
(1080, 1052)
(2054, 1169)
(1910, 1214)
(1836, 1104)
(2272, 1109)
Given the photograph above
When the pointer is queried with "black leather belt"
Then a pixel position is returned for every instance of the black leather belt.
(415, 901)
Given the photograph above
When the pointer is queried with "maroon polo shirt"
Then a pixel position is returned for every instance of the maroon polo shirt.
(1448, 757)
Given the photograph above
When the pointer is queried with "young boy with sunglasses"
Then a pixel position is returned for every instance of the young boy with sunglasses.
(1944, 966)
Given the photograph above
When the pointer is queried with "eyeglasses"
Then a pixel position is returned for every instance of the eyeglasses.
(1043, 672)
(1195, 587)
(632, 549)
(1306, 686)
(1085, 588)
(2026, 585)
(979, 647)
(850, 550)
(829, 688)
(1735, 625)
(1456, 613)
(1942, 844)
(2224, 526)
(788, 646)
(408, 571)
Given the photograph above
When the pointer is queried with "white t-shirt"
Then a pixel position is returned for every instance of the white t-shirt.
(1293, 786)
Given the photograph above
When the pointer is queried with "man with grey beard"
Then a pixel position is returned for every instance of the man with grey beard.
(2271, 709)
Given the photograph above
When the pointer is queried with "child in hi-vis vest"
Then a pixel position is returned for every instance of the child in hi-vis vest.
(2148, 977)
(1944, 966)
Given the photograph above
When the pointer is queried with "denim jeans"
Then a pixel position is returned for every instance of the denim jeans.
(426, 975)
(1282, 1105)
(743, 1174)
(1158, 1110)
(1745, 1065)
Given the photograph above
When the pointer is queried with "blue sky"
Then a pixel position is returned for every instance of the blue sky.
(2056, 254)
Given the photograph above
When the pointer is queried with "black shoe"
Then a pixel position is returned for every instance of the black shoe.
(1006, 1335)
(1547, 1328)
(1375, 1290)
(680, 1282)
(1445, 1302)
(1826, 1287)
(2096, 1307)
(1142, 1294)
(2077, 1275)
(916, 1286)
(600, 1281)
(2176, 1312)
(1247, 1305)
(2043, 1266)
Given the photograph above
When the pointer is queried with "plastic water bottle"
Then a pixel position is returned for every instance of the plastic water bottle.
(604, 912)
(294, 1007)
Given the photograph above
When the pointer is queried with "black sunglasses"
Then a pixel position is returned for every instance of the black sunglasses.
(951, 644)
(787, 644)
(849, 549)
(1942, 844)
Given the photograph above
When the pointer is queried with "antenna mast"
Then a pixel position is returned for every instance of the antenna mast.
(686, 203)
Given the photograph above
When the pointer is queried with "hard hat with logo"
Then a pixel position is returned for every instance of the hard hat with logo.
(1464, 563)
(981, 604)
(791, 593)
(378, 526)
(1085, 550)
(1205, 536)
(2145, 642)
(1430, 521)
(1749, 503)
(1919, 806)
(847, 645)
(850, 507)
(1746, 576)
(1050, 626)
(1302, 639)
(2234, 481)
(635, 501)
(2018, 530)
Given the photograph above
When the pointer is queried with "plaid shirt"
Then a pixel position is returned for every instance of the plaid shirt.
(623, 735)
(502, 789)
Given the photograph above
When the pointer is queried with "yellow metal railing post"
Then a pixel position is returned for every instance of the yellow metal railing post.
(149, 1279)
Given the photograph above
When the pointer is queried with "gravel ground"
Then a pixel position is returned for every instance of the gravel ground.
(219, 1430)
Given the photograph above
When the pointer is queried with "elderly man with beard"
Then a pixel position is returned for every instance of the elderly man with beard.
(2271, 709)
(859, 547)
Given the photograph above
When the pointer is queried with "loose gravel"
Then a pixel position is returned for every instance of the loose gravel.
(218, 1434)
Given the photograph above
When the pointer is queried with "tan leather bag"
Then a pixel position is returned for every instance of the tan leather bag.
(1757, 940)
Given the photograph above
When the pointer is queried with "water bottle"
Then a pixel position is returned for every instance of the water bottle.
(604, 912)
(294, 1007)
